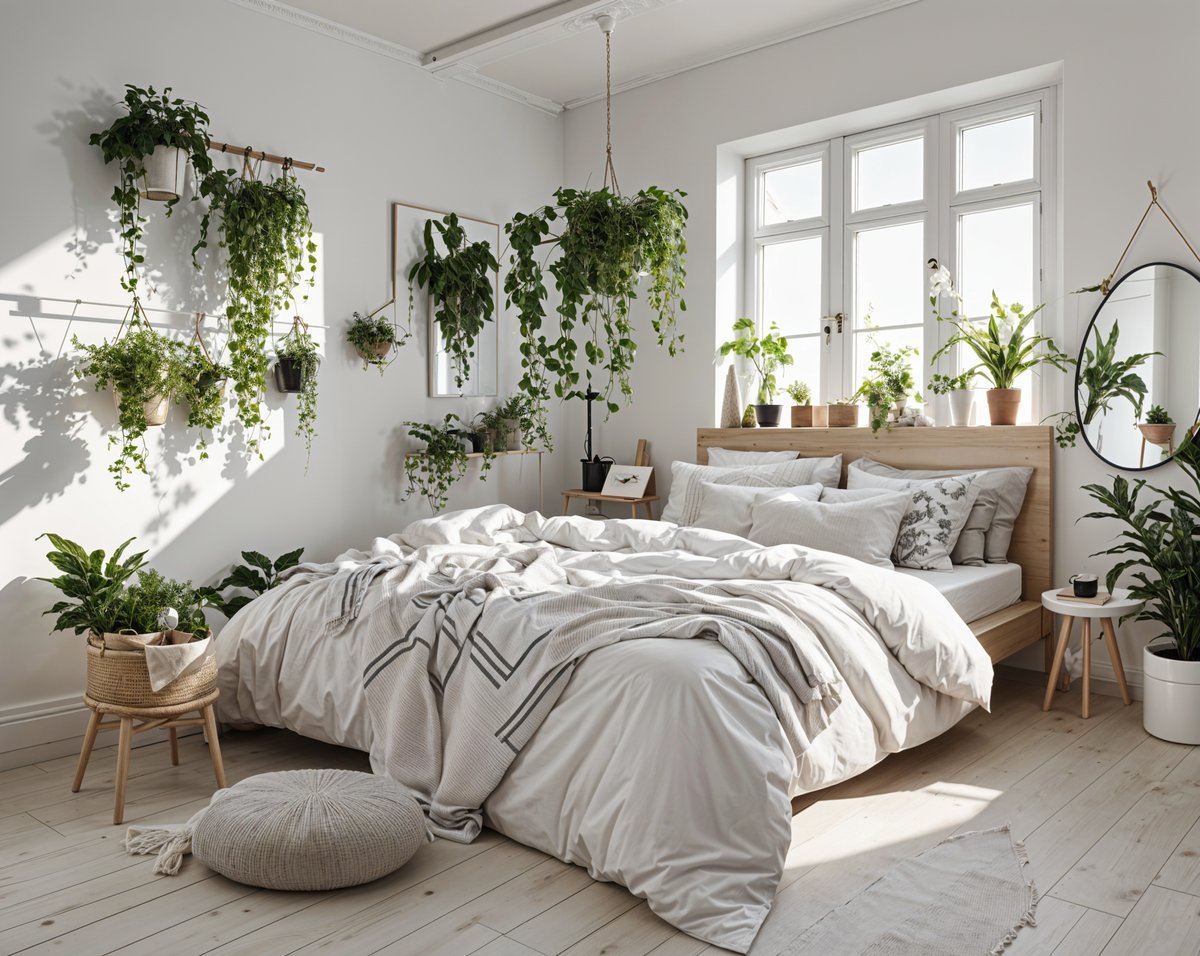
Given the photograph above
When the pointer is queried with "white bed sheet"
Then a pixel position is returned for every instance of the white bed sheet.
(975, 592)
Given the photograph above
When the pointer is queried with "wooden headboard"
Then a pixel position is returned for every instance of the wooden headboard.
(949, 448)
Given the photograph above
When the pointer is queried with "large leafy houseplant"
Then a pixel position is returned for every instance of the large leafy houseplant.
(93, 584)
(459, 280)
(606, 245)
(434, 470)
(1103, 378)
(300, 349)
(267, 235)
(258, 575)
(767, 354)
(151, 119)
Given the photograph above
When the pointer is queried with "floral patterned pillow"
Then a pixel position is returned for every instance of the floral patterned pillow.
(934, 520)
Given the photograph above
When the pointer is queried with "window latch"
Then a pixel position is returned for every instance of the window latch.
(830, 322)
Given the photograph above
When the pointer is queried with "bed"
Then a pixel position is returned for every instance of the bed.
(662, 765)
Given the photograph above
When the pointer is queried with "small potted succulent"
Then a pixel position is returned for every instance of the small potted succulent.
(373, 338)
(959, 389)
(766, 354)
(802, 410)
(1159, 426)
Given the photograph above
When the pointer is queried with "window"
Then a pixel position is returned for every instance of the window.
(846, 227)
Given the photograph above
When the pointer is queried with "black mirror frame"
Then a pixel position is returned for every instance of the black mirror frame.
(1079, 366)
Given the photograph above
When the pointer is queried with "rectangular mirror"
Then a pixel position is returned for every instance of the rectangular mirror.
(408, 232)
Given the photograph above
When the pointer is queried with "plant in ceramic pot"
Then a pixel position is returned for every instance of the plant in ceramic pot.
(767, 354)
(1159, 426)
(961, 393)
(1159, 548)
(517, 422)
(434, 470)
(373, 338)
(298, 360)
(1003, 347)
(459, 279)
(153, 143)
(888, 383)
(802, 412)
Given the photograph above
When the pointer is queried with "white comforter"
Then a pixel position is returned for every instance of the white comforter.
(663, 766)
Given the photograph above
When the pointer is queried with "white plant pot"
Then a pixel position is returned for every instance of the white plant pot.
(1171, 689)
(962, 401)
(165, 171)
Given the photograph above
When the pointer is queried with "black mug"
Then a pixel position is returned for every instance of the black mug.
(1085, 585)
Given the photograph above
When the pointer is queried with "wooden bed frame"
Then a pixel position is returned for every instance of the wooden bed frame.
(1007, 631)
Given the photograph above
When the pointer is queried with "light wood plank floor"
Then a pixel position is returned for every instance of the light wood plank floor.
(1111, 818)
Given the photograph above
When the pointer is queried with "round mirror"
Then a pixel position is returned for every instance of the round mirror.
(1137, 384)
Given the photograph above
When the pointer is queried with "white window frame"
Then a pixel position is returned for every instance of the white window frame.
(940, 209)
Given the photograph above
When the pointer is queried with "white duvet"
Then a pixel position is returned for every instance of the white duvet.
(663, 766)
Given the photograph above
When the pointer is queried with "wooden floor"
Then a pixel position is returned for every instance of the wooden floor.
(1108, 813)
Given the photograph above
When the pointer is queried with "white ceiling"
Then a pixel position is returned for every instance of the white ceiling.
(552, 54)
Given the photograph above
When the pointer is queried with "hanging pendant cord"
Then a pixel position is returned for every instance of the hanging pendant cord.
(610, 171)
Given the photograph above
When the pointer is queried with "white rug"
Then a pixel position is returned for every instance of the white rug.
(968, 895)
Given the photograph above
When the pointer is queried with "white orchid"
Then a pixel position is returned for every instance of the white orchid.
(940, 282)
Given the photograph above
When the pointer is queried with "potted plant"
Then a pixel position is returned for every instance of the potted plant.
(514, 416)
(373, 338)
(888, 383)
(153, 143)
(801, 396)
(843, 413)
(960, 390)
(766, 354)
(203, 391)
(1159, 548)
(1102, 377)
(267, 236)
(1159, 426)
(1002, 346)
(608, 244)
(434, 470)
(297, 362)
(460, 287)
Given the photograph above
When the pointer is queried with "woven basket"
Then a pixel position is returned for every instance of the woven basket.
(121, 678)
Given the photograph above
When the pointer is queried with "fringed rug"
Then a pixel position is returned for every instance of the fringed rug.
(968, 895)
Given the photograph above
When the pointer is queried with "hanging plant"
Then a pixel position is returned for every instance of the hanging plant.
(203, 391)
(144, 369)
(152, 128)
(459, 286)
(267, 234)
(443, 462)
(374, 337)
(299, 360)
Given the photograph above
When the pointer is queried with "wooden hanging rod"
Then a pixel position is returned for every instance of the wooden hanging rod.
(246, 151)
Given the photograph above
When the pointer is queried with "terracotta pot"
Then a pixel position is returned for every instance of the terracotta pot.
(1003, 404)
(1158, 434)
(843, 416)
(802, 416)
(375, 350)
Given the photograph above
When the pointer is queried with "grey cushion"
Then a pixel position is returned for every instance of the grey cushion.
(865, 530)
(1000, 488)
(309, 829)
(683, 504)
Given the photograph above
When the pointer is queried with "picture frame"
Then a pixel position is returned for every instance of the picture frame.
(627, 481)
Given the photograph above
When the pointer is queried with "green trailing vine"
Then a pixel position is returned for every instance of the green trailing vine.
(370, 334)
(203, 391)
(606, 245)
(267, 234)
(433, 471)
(299, 347)
(462, 292)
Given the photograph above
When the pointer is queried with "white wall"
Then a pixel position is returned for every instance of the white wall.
(385, 131)
(1129, 82)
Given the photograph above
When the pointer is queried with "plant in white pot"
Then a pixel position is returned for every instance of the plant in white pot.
(1160, 550)
(766, 354)
(1002, 345)
(961, 393)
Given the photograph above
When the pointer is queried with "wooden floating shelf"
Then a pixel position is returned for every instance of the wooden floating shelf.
(480, 454)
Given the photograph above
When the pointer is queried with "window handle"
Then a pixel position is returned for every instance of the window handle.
(830, 321)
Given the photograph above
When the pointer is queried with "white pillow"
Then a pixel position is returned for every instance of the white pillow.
(840, 495)
(865, 530)
(731, 458)
(727, 507)
(683, 504)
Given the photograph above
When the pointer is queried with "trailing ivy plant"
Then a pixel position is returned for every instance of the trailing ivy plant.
(368, 334)
(151, 119)
(433, 471)
(258, 575)
(606, 245)
(203, 391)
(301, 348)
(267, 234)
(462, 291)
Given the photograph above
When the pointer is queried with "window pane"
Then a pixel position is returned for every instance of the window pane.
(791, 285)
(889, 275)
(891, 174)
(792, 193)
(997, 153)
(997, 253)
(806, 350)
(866, 342)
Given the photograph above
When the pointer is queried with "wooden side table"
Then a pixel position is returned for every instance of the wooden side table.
(151, 718)
(646, 501)
(1118, 606)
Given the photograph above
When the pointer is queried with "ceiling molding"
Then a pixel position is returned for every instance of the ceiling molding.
(880, 7)
(468, 75)
(310, 21)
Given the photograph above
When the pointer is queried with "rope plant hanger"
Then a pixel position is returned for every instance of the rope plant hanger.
(602, 246)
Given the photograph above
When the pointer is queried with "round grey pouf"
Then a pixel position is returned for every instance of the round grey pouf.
(310, 829)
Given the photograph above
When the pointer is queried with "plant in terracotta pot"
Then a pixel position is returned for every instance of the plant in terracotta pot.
(373, 338)
(961, 393)
(1159, 548)
(1003, 346)
(1159, 426)
(767, 354)
(802, 412)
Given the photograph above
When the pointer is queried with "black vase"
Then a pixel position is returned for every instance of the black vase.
(289, 375)
(768, 416)
(595, 473)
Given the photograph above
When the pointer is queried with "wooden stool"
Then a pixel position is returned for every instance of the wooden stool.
(1118, 606)
(151, 718)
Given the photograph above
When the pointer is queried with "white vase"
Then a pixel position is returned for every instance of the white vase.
(1171, 689)
(962, 401)
(165, 170)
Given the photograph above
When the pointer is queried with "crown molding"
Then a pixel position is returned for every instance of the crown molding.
(470, 76)
(310, 21)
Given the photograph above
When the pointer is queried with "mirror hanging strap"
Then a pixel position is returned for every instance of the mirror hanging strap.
(1106, 284)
